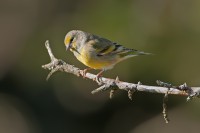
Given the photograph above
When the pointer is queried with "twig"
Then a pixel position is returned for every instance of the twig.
(165, 99)
(165, 113)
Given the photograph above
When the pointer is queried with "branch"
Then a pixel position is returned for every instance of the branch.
(115, 84)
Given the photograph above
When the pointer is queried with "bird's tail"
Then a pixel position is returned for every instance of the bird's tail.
(132, 53)
(141, 53)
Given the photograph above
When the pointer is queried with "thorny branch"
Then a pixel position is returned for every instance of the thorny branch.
(115, 84)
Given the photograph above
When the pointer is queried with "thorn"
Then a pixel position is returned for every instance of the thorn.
(101, 88)
(112, 93)
(49, 75)
(139, 83)
(117, 79)
(47, 43)
(52, 72)
(183, 87)
(130, 94)
(191, 96)
(105, 87)
(188, 99)
(133, 89)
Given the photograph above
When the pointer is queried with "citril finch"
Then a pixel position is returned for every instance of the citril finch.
(97, 52)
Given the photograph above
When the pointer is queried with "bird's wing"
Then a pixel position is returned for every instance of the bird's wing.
(103, 47)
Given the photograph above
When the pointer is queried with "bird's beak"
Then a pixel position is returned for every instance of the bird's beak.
(68, 46)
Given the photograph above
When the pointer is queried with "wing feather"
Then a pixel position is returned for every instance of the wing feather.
(104, 46)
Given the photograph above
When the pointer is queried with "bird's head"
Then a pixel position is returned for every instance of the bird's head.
(74, 39)
(69, 41)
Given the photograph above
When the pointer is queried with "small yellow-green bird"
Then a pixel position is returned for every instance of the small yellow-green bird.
(97, 52)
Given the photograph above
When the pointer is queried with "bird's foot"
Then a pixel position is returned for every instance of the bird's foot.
(83, 72)
(98, 78)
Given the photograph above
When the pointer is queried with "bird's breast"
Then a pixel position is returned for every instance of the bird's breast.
(91, 60)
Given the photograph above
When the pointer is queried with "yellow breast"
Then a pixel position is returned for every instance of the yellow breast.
(92, 62)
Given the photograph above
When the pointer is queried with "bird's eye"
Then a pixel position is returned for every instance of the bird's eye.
(71, 40)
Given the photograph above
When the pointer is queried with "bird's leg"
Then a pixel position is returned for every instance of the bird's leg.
(98, 76)
(85, 71)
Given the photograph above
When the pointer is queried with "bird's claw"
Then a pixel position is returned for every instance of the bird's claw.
(98, 79)
(83, 72)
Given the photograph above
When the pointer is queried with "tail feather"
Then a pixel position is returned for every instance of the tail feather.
(132, 53)
(143, 53)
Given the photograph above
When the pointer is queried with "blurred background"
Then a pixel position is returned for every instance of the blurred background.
(28, 104)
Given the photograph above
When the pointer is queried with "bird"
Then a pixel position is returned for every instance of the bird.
(97, 52)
